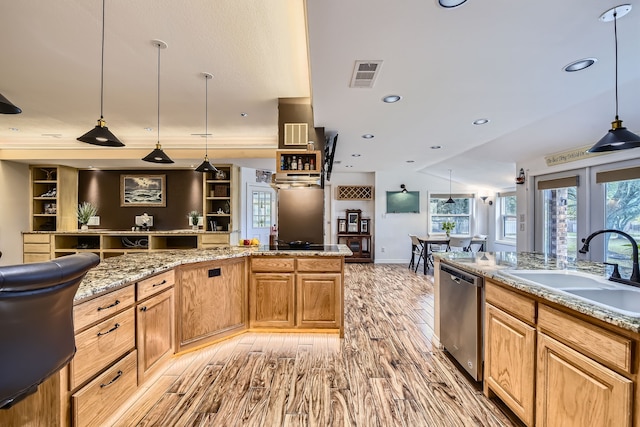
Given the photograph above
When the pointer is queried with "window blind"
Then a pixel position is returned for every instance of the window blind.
(618, 175)
(569, 181)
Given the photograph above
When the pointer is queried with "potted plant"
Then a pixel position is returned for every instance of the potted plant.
(194, 218)
(85, 211)
(448, 226)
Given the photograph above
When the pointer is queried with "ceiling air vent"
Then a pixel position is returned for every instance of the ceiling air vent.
(365, 73)
(296, 133)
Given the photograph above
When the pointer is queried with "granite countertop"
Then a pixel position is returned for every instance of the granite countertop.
(115, 272)
(490, 265)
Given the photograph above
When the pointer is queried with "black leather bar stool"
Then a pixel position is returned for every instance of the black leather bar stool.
(36, 322)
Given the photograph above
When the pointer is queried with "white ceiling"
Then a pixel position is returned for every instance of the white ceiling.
(501, 60)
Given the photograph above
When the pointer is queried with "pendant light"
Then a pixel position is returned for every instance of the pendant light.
(7, 107)
(101, 135)
(157, 155)
(205, 166)
(450, 199)
(618, 137)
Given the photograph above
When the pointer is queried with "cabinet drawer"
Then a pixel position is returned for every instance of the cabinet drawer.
(99, 399)
(36, 238)
(155, 284)
(94, 310)
(37, 247)
(272, 264)
(208, 239)
(520, 306)
(320, 264)
(27, 258)
(100, 345)
(612, 349)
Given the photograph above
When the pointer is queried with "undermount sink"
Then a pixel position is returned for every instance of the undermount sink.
(622, 300)
(561, 279)
(596, 290)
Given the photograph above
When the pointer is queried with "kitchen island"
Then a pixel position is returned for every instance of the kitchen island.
(552, 357)
(133, 312)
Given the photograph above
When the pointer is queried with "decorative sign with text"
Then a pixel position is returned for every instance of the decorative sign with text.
(573, 155)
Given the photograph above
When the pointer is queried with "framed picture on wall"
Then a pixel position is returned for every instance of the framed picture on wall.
(342, 225)
(364, 226)
(143, 190)
(353, 221)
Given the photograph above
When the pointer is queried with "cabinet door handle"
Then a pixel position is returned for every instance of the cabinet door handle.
(113, 380)
(116, 326)
(159, 284)
(144, 308)
(109, 306)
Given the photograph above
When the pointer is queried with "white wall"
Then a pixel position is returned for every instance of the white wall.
(337, 207)
(14, 214)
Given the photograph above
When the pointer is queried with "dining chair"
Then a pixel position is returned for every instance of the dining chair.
(417, 249)
(459, 244)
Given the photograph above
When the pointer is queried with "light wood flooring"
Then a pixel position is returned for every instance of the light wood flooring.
(385, 372)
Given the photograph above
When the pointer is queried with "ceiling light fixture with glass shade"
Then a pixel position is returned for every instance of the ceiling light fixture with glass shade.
(618, 137)
(206, 166)
(449, 4)
(101, 135)
(450, 199)
(157, 155)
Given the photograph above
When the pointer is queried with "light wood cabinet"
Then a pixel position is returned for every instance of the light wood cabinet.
(36, 247)
(581, 370)
(211, 301)
(54, 198)
(509, 362)
(307, 162)
(296, 293)
(155, 322)
(220, 202)
(575, 391)
(319, 303)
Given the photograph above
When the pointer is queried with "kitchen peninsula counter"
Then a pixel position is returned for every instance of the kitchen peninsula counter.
(119, 271)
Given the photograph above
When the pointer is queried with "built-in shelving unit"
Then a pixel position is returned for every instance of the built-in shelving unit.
(307, 161)
(54, 198)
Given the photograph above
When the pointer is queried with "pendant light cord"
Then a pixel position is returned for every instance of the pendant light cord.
(206, 116)
(102, 65)
(449, 183)
(158, 93)
(615, 36)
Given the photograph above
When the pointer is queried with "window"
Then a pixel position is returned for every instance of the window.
(261, 209)
(459, 213)
(508, 223)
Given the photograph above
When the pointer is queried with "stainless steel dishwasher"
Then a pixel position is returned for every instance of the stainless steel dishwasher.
(461, 319)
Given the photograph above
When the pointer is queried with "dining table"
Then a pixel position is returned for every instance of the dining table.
(428, 241)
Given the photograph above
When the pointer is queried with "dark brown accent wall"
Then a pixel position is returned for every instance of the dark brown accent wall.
(102, 188)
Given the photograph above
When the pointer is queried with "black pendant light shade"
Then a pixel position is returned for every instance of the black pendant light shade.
(450, 199)
(206, 166)
(157, 155)
(618, 137)
(101, 135)
(7, 107)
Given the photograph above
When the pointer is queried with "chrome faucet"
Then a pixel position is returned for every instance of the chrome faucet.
(635, 273)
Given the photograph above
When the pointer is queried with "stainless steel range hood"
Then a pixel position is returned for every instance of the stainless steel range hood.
(285, 180)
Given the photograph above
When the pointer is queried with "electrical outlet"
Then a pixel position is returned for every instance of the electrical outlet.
(522, 226)
(382, 249)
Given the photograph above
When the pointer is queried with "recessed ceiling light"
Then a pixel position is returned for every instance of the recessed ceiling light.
(481, 122)
(14, 129)
(450, 3)
(436, 147)
(580, 64)
(348, 166)
(355, 155)
(410, 161)
(148, 129)
(389, 99)
(367, 136)
(244, 114)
